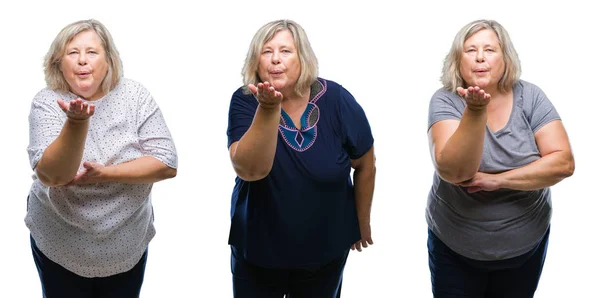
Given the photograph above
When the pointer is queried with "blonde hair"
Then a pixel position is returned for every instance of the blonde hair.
(308, 60)
(54, 77)
(451, 78)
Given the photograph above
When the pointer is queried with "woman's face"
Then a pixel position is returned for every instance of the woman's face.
(84, 65)
(279, 62)
(482, 62)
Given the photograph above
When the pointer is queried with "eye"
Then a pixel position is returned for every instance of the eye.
(72, 52)
(286, 51)
(267, 52)
(490, 50)
(92, 52)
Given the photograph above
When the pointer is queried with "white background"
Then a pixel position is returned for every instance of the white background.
(388, 56)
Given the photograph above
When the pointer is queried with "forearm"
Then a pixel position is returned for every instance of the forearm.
(143, 170)
(253, 157)
(62, 158)
(364, 186)
(544, 172)
(460, 158)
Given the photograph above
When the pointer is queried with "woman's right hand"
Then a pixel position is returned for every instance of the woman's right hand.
(77, 109)
(475, 97)
(266, 95)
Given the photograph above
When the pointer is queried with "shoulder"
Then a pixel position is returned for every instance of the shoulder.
(445, 97)
(530, 94)
(335, 91)
(241, 92)
(445, 94)
(47, 95)
(130, 86)
(527, 87)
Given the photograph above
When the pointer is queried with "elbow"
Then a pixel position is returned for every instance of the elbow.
(170, 173)
(52, 181)
(454, 175)
(253, 174)
(569, 168)
(454, 178)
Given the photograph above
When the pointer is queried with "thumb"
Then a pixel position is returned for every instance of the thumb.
(253, 89)
(63, 105)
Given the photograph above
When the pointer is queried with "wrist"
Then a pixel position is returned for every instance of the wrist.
(270, 108)
(107, 174)
(77, 122)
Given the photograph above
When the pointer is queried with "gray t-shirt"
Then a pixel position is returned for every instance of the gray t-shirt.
(504, 223)
(101, 229)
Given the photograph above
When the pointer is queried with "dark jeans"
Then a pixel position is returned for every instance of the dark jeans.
(251, 281)
(453, 275)
(58, 282)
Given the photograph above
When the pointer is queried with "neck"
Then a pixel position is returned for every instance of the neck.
(291, 96)
(90, 97)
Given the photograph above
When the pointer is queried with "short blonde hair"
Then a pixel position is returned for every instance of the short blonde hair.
(308, 61)
(54, 77)
(451, 77)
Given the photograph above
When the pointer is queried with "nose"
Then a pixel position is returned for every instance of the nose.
(275, 59)
(480, 57)
(82, 59)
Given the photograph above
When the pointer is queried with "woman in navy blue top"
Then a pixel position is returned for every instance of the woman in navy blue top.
(293, 139)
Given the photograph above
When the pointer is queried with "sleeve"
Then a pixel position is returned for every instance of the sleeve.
(241, 113)
(46, 121)
(543, 112)
(356, 131)
(443, 107)
(153, 134)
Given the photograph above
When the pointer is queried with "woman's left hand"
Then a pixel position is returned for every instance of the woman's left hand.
(365, 236)
(92, 173)
(481, 181)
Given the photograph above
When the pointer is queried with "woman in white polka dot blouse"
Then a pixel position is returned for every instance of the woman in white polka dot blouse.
(97, 143)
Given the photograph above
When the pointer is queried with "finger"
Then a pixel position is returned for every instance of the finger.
(253, 89)
(352, 247)
(88, 165)
(480, 94)
(461, 91)
(63, 105)
(365, 244)
(91, 109)
(72, 105)
(261, 89)
(370, 240)
(474, 189)
(358, 246)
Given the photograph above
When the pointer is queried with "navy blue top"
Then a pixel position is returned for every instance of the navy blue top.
(303, 213)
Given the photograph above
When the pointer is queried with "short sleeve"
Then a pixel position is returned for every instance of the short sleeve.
(356, 131)
(543, 112)
(153, 134)
(46, 121)
(444, 105)
(241, 113)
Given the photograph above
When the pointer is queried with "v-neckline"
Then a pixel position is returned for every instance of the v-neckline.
(316, 90)
(516, 94)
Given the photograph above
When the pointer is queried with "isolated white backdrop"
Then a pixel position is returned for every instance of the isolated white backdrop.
(189, 55)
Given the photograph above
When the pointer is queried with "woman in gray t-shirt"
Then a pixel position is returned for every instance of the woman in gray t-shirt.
(97, 143)
(497, 145)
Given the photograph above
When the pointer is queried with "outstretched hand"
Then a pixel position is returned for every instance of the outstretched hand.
(475, 97)
(266, 95)
(77, 109)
